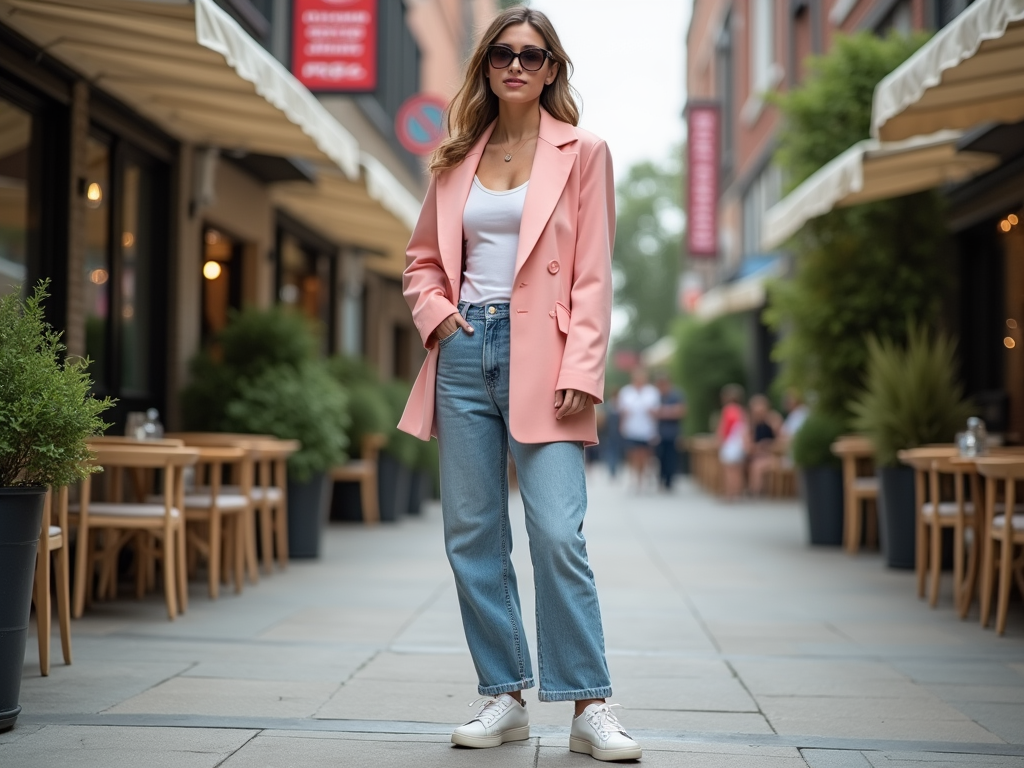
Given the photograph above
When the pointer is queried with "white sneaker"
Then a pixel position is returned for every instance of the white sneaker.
(598, 733)
(500, 719)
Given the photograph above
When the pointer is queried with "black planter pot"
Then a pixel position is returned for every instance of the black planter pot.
(21, 515)
(419, 482)
(821, 488)
(308, 506)
(393, 478)
(896, 512)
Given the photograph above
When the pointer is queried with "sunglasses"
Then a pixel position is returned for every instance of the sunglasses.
(530, 59)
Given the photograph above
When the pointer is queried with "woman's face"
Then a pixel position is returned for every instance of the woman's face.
(514, 83)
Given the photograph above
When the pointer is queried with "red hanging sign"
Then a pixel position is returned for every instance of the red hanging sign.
(702, 150)
(334, 44)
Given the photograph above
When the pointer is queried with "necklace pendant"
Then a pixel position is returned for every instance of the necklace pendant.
(508, 158)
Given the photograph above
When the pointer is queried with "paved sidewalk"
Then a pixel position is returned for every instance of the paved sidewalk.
(731, 643)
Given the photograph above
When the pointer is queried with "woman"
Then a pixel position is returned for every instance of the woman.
(638, 403)
(509, 281)
(764, 423)
(732, 440)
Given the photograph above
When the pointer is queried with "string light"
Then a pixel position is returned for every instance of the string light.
(211, 270)
(1009, 343)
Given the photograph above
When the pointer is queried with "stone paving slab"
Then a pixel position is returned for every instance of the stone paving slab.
(730, 642)
(88, 747)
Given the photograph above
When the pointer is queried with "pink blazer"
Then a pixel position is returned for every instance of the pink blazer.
(562, 293)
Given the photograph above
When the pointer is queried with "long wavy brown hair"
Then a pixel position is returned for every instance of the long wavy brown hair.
(475, 106)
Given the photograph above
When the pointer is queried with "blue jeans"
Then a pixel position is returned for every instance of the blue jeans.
(474, 439)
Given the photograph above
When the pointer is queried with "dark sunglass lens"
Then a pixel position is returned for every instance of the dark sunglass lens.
(500, 57)
(532, 59)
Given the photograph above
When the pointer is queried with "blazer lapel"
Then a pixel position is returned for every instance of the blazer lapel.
(452, 192)
(551, 168)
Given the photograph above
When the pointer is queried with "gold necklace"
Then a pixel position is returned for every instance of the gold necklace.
(508, 155)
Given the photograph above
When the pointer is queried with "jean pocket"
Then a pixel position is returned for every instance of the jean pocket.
(444, 342)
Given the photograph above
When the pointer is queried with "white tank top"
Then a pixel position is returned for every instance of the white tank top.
(490, 224)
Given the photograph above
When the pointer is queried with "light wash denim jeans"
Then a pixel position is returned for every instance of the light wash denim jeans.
(474, 439)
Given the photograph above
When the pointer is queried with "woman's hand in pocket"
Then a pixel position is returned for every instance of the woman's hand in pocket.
(450, 325)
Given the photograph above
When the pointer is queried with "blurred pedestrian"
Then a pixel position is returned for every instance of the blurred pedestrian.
(526, 380)
(764, 423)
(732, 440)
(612, 439)
(639, 402)
(670, 415)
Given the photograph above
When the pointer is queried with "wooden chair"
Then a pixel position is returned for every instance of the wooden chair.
(781, 475)
(52, 543)
(251, 445)
(162, 520)
(934, 513)
(1002, 532)
(860, 490)
(364, 472)
(268, 491)
(272, 498)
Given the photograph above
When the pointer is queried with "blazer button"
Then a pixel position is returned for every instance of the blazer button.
(551, 313)
(553, 267)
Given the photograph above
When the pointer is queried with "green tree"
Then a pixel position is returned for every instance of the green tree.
(860, 271)
(648, 247)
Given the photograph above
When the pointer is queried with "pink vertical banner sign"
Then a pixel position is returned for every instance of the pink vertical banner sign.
(334, 44)
(702, 154)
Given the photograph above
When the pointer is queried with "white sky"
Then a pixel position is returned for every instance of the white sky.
(629, 57)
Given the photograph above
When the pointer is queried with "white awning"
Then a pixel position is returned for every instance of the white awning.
(870, 170)
(971, 72)
(660, 353)
(192, 70)
(744, 295)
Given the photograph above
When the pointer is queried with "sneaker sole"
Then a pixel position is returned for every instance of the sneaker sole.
(485, 742)
(584, 747)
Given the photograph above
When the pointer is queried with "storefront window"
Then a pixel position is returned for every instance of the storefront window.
(306, 281)
(126, 210)
(15, 140)
(222, 280)
(137, 261)
(97, 249)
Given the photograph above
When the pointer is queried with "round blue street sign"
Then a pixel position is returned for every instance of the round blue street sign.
(419, 124)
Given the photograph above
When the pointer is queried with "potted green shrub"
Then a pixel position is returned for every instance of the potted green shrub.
(911, 398)
(46, 415)
(263, 376)
(821, 477)
(425, 477)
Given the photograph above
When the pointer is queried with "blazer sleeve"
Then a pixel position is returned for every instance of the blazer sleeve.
(424, 281)
(586, 345)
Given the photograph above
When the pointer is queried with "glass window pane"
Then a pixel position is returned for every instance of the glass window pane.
(15, 138)
(136, 278)
(97, 258)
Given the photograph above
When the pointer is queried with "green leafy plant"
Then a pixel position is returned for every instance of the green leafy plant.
(303, 403)
(263, 376)
(46, 410)
(403, 446)
(369, 409)
(861, 270)
(812, 444)
(708, 356)
(911, 396)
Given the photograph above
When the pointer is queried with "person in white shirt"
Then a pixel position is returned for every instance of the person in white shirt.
(639, 402)
(798, 412)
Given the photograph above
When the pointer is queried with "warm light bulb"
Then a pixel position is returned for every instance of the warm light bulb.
(1005, 225)
(94, 192)
(211, 270)
(1009, 343)
(98, 276)
(1011, 323)
(127, 239)
(212, 237)
(1012, 218)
